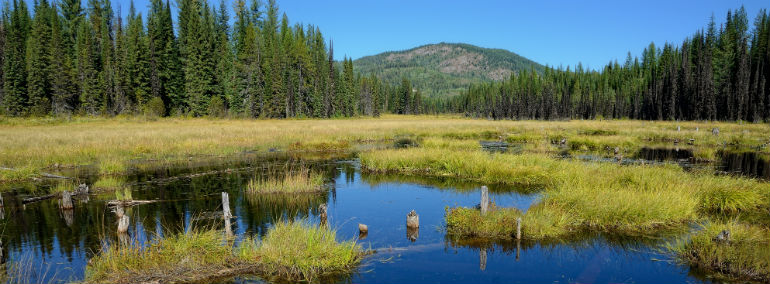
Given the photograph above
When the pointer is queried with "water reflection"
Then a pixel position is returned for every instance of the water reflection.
(192, 197)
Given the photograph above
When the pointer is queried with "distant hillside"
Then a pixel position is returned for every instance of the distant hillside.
(444, 68)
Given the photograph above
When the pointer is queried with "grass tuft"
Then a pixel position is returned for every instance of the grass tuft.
(300, 181)
(299, 251)
(745, 256)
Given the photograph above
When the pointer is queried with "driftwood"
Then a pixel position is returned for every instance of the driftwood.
(38, 198)
(128, 203)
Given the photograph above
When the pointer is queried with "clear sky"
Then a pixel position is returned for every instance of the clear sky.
(549, 32)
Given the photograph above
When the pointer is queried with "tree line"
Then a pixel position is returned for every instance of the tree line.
(721, 73)
(65, 59)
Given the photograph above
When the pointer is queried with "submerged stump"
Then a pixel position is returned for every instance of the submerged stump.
(322, 213)
(363, 229)
(412, 220)
(66, 201)
(123, 220)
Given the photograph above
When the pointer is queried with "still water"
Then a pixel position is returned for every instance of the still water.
(53, 246)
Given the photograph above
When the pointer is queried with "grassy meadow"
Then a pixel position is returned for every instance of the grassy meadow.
(115, 146)
(576, 196)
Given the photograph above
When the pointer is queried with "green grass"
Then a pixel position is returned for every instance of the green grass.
(298, 181)
(294, 251)
(62, 186)
(182, 257)
(524, 170)
(300, 251)
(123, 194)
(117, 145)
(109, 183)
(745, 257)
(632, 200)
(499, 223)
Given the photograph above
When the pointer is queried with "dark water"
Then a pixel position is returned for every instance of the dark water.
(745, 163)
(56, 246)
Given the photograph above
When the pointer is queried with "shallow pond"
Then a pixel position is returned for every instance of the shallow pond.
(52, 246)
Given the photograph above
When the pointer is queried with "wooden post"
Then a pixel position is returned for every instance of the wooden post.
(484, 200)
(518, 228)
(412, 220)
(226, 215)
(66, 200)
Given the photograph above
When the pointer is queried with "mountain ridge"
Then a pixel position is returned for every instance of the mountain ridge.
(444, 69)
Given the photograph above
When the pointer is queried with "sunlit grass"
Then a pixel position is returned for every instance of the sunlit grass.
(29, 145)
(632, 200)
(294, 251)
(293, 181)
(300, 251)
(744, 255)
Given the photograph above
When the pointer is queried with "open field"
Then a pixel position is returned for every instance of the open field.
(31, 146)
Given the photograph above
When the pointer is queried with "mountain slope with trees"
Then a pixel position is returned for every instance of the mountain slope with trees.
(444, 69)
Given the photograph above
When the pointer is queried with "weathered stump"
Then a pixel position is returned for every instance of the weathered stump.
(123, 220)
(322, 213)
(66, 201)
(226, 215)
(715, 131)
(678, 128)
(412, 220)
(1, 201)
(518, 228)
(412, 234)
(363, 228)
(484, 200)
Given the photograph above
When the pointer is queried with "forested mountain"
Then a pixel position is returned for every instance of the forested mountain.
(720, 73)
(444, 69)
(65, 59)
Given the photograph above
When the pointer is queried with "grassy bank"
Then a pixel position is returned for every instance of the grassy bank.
(31, 146)
(744, 254)
(290, 251)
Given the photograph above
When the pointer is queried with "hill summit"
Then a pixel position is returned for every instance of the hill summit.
(444, 69)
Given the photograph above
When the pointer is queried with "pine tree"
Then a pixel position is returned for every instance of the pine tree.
(14, 64)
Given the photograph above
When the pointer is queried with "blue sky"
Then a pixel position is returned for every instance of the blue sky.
(549, 32)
